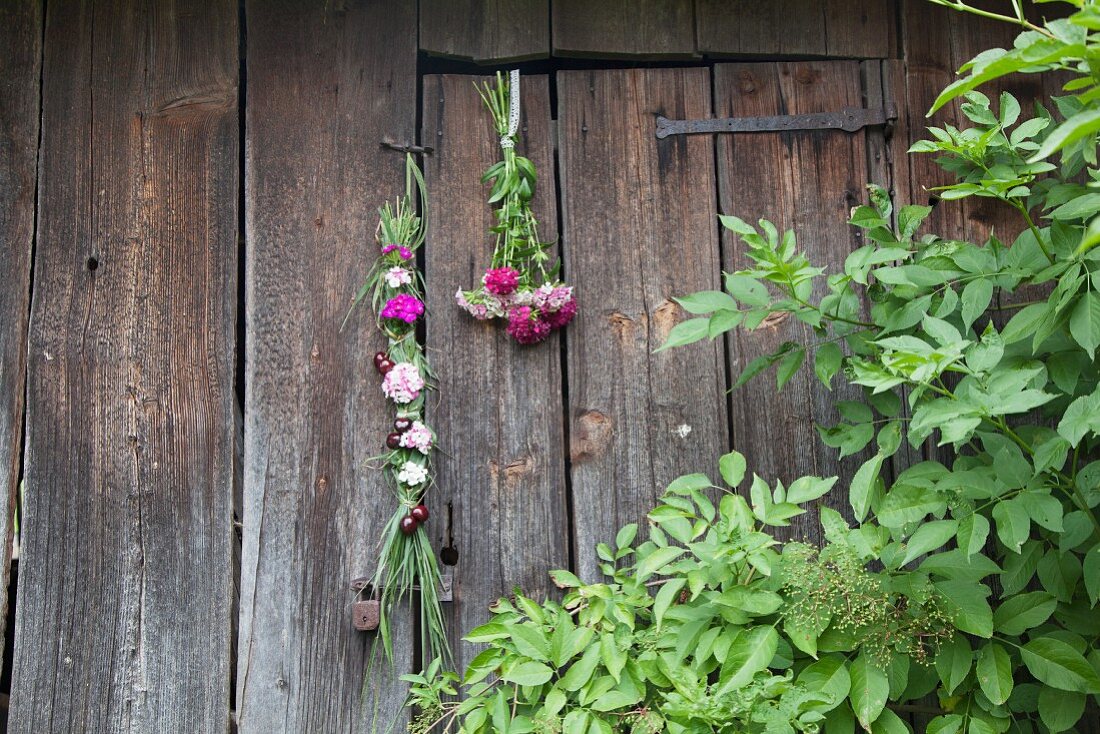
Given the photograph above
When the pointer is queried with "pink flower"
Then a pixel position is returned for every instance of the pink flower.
(418, 436)
(560, 319)
(403, 252)
(403, 383)
(501, 281)
(404, 307)
(526, 326)
(398, 276)
(479, 305)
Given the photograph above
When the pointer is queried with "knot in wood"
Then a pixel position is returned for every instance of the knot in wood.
(591, 436)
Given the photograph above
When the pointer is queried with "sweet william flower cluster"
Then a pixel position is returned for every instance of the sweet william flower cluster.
(521, 286)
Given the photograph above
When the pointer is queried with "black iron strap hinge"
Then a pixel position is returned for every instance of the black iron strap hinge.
(850, 119)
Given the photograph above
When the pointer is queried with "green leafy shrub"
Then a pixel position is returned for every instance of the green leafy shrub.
(710, 624)
(967, 587)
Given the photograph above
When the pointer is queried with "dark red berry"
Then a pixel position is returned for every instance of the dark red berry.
(402, 424)
(393, 441)
(420, 513)
(384, 366)
(409, 524)
(379, 356)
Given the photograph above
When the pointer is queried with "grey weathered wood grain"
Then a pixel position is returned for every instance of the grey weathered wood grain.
(623, 28)
(326, 83)
(487, 31)
(125, 588)
(860, 29)
(639, 229)
(808, 181)
(500, 495)
(21, 49)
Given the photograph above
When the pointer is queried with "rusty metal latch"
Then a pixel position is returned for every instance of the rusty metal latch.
(849, 119)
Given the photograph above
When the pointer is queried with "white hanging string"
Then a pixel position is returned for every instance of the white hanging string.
(509, 140)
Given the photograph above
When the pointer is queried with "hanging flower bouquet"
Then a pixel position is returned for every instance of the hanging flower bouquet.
(521, 285)
(406, 561)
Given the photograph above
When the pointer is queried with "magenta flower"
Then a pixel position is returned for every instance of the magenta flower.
(403, 307)
(403, 252)
(526, 326)
(501, 281)
(560, 319)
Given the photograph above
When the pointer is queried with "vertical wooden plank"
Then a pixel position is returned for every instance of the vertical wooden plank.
(861, 29)
(326, 83)
(615, 28)
(639, 229)
(487, 31)
(21, 49)
(808, 181)
(125, 589)
(500, 499)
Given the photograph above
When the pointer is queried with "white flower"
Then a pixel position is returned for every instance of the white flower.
(412, 474)
(398, 276)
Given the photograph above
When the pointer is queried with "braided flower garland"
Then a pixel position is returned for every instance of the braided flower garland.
(520, 285)
(406, 560)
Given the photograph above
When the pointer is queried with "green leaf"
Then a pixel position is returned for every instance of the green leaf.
(656, 560)
(528, 673)
(747, 290)
(580, 672)
(686, 332)
(827, 362)
(973, 532)
(1060, 710)
(1081, 418)
(929, 537)
(966, 603)
(564, 579)
(870, 689)
(1092, 574)
(1017, 614)
(788, 366)
(976, 297)
(806, 489)
(1013, 523)
(948, 724)
(1076, 127)
(706, 302)
(954, 661)
(1084, 322)
(670, 590)
(736, 224)
(994, 671)
(732, 468)
(906, 504)
(1058, 665)
(861, 492)
(750, 653)
(828, 676)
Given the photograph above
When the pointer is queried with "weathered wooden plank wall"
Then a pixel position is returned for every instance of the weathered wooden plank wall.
(829, 28)
(655, 28)
(126, 584)
(639, 228)
(487, 31)
(501, 500)
(326, 82)
(125, 615)
(20, 47)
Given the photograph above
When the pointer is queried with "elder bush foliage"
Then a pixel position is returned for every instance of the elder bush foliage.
(967, 587)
